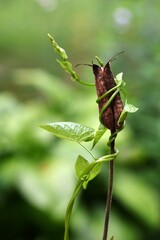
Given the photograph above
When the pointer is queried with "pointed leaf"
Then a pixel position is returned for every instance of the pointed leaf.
(128, 108)
(71, 131)
(95, 171)
(119, 76)
(99, 133)
(119, 79)
(92, 174)
(85, 184)
(80, 165)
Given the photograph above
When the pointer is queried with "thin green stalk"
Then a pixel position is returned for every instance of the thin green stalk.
(87, 150)
(79, 186)
(70, 207)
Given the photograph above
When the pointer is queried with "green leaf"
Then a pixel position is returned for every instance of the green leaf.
(57, 48)
(71, 131)
(92, 174)
(85, 184)
(86, 171)
(99, 133)
(119, 76)
(128, 108)
(95, 171)
(119, 80)
(80, 165)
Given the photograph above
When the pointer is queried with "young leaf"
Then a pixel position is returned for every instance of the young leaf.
(119, 76)
(95, 171)
(80, 165)
(71, 131)
(128, 108)
(99, 133)
(86, 171)
(92, 174)
(119, 80)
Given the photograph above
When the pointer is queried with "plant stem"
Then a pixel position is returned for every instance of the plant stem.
(109, 192)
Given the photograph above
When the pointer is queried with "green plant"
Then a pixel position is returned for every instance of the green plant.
(112, 115)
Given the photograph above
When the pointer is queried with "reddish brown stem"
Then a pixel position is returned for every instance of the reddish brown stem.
(109, 193)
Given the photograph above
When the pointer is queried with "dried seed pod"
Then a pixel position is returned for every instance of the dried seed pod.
(101, 88)
(104, 82)
(117, 104)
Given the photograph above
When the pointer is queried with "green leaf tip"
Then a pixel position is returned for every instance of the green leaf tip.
(71, 131)
(80, 165)
(119, 76)
(119, 80)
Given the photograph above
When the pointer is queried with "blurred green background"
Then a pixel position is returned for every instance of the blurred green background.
(36, 169)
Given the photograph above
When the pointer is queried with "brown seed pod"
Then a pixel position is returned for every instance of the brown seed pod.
(104, 82)
(117, 104)
(101, 88)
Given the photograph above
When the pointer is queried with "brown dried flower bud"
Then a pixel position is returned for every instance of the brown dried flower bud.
(104, 82)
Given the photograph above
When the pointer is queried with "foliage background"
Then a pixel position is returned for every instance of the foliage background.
(36, 169)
